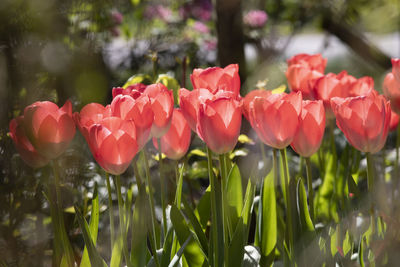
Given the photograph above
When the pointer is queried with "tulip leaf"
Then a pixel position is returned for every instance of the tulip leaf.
(193, 253)
(361, 252)
(197, 152)
(140, 222)
(93, 226)
(95, 258)
(138, 78)
(305, 218)
(268, 223)
(248, 203)
(167, 247)
(116, 254)
(203, 208)
(178, 194)
(234, 196)
(196, 226)
(236, 246)
(347, 244)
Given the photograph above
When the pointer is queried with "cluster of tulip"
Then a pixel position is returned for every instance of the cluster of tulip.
(213, 110)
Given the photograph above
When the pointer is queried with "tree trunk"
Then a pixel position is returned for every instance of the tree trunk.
(230, 34)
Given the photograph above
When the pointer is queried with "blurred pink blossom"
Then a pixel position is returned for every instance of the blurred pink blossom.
(158, 11)
(116, 17)
(255, 18)
(200, 27)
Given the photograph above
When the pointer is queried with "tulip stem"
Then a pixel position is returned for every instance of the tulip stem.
(60, 220)
(371, 182)
(226, 225)
(310, 188)
(137, 174)
(288, 202)
(162, 183)
(110, 210)
(216, 219)
(122, 219)
(153, 237)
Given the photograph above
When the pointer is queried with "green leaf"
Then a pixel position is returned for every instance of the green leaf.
(178, 194)
(94, 256)
(361, 252)
(236, 246)
(138, 78)
(246, 212)
(203, 208)
(116, 254)
(234, 196)
(334, 237)
(325, 206)
(347, 244)
(193, 253)
(140, 222)
(167, 247)
(93, 226)
(268, 225)
(196, 226)
(244, 139)
(305, 219)
(353, 188)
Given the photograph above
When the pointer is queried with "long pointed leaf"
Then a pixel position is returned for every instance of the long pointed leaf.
(93, 226)
(234, 196)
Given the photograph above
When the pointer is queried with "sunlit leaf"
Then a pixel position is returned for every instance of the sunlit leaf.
(138, 78)
(234, 196)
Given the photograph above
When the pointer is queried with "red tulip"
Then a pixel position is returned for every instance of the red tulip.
(250, 97)
(364, 120)
(139, 110)
(394, 121)
(314, 62)
(391, 90)
(190, 101)
(361, 86)
(24, 147)
(113, 143)
(218, 122)
(311, 128)
(396, 68)
(90, 114)
(49, 128)
(134, 90)
(327, 87)
(302, 79)
(275, 118)
(215, 79)
(162, 103)
(175, 143)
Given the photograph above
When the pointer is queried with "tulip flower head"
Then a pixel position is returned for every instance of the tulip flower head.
(364, 120)
(162, 104)
(311, 128)
(394, 121)
(302, 79)
(190, 102)
(113, 143)
(134, 90)
(275, 118)
(175, 143)
(314, 62)
(219, 120)
(250, 97)
(24, 147)
(215, 79)
(49, 128)
(90, 114)
(139, 110)
(391, 86)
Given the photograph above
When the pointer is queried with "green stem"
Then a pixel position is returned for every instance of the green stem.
(288, 201)
(137, 174)
(153, 238)
(371, 182)
(122, 219)
(162, 182)
(216, 220)
(60, 220)
(110, 210)
(310, 188)
(226, 224)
